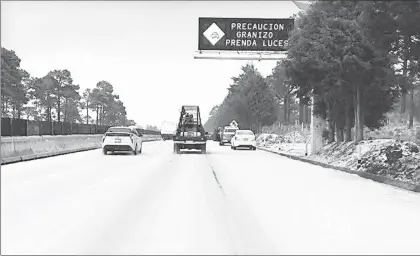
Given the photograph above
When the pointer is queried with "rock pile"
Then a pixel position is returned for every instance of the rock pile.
(399, 160)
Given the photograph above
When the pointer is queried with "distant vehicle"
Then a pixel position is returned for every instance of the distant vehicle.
(167, 133)
(216, 134)
(190, 132)
(244, 138)
(122, 139)
(139, 130)
(227, 135)
(167, 136)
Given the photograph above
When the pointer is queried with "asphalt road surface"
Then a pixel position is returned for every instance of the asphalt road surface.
(224, 202)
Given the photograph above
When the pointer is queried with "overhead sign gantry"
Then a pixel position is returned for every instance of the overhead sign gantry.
(239, 34)
(246, 38)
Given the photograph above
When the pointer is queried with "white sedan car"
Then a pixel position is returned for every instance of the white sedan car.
(122, 139)
(244, 138)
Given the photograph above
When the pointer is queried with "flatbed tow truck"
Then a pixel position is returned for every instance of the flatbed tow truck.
(190, 133)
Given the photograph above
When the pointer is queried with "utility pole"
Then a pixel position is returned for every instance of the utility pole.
(316, 122)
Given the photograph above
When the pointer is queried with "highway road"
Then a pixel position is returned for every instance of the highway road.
(223, 202)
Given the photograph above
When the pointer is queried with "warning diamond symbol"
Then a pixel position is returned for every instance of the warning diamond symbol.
(213, 34)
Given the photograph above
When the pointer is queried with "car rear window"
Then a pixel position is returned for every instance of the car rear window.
(119, 134)
(230, 130)
(128, 130)
(244, 133)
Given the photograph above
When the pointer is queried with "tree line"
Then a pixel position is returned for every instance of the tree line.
(55, 97)
(355, 60)
(250, 101)
(255, 101)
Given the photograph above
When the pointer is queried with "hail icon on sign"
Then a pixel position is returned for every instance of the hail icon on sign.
(213, 34)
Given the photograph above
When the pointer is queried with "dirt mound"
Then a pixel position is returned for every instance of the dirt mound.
(265, 140)
(390, 158)
(385, 157)
(294, 137)
(399, 160)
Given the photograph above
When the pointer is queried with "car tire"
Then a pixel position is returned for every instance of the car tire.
(203, 149)
(135, 150)
(105, 152)
(254, 148)
(141, 148)
(234, 148)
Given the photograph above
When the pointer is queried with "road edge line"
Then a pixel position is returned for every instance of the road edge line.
(380, 179)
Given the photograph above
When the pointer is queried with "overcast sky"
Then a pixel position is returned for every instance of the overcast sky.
(144, 49)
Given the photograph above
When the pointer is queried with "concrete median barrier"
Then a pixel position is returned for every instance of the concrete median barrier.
(16, 149)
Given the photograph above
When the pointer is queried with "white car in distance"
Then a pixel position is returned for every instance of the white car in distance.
(122, 139)
(244, 138)
(227, 135)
